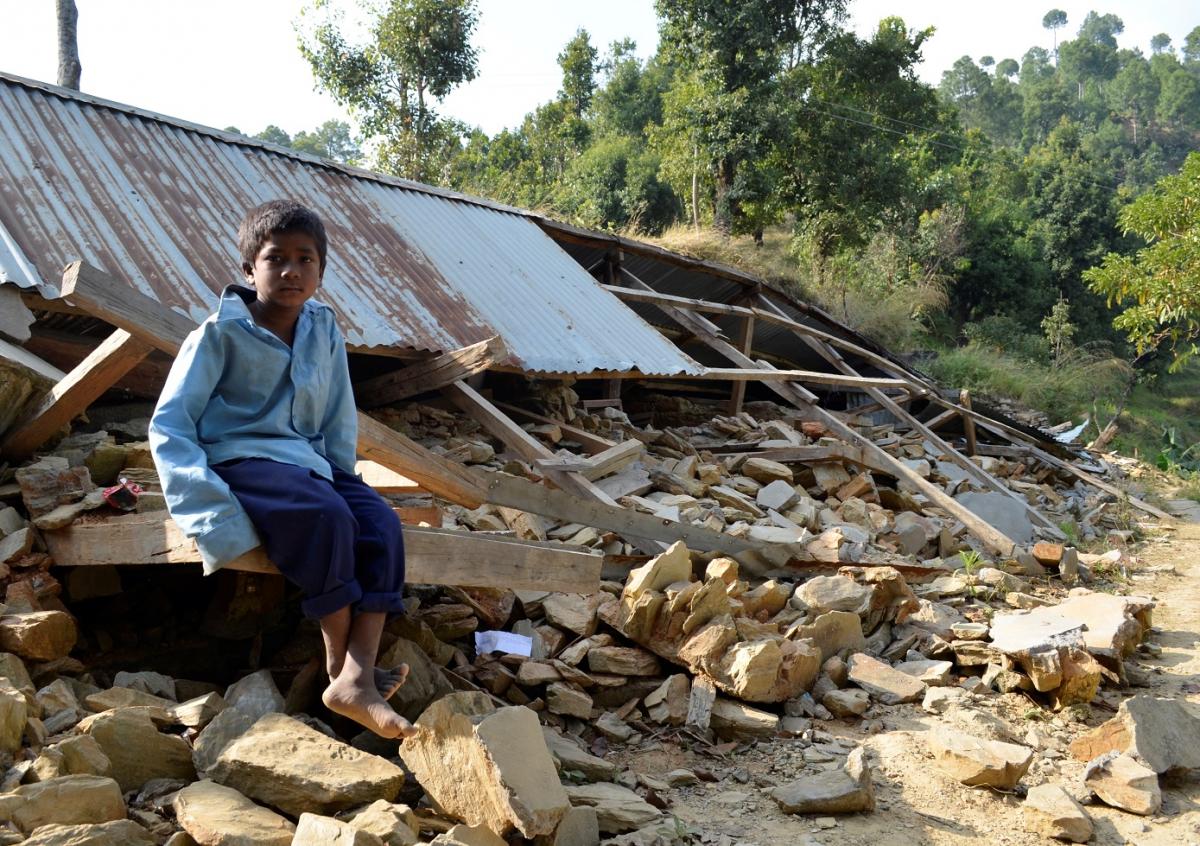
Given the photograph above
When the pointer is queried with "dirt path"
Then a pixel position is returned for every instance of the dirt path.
(918, 805)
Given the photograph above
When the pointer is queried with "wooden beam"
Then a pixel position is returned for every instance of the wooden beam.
(385, 480)
(115, 357)
(599, 465)
(942, 419)
(993, 538)
(532, 450)
(431, 556)
(687, 303)
(973, 470)
(745, 343)
(590, 441)
(440, 476)
(430, 374)
(964, 397)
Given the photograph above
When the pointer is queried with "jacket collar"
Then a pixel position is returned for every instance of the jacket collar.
(236, 299)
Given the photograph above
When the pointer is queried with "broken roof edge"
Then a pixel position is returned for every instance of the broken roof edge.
(248, 141)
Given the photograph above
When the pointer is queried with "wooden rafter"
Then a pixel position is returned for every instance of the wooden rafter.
(430, 374)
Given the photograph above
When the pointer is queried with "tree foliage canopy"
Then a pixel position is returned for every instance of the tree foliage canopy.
(1160, 283)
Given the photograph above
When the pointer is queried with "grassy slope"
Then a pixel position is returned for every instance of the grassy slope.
(1063, 392)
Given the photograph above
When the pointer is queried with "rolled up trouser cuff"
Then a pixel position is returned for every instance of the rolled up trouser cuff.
(325, 604)
(388, 603)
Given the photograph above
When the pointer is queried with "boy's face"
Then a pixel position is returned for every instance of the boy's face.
(286, 271)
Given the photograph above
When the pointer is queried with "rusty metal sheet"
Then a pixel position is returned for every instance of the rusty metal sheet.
(156, 201)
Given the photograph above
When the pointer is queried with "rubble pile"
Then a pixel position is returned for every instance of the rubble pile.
(862, 600)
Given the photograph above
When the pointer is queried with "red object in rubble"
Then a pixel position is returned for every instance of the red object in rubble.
(123, 495)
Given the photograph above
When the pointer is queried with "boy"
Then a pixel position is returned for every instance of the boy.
(254, 440)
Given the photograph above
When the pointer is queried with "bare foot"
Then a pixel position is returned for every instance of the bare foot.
(359, 700)
(387, 682)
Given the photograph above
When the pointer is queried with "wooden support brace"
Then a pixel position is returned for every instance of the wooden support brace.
(994, 539)
(429, 375)
(972, 469)
(431, 556)
(115, 357)
(964, 397)
(745, 343)
(590, 441)
(600, 465)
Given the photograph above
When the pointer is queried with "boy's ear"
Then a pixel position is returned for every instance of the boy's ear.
(248, 271)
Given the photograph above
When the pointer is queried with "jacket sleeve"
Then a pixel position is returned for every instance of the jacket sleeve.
(340, 424)
(199, 501)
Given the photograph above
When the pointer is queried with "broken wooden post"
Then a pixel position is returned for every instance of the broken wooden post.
(429, 375)
(71, 396)
(745, 342)
(964, 397)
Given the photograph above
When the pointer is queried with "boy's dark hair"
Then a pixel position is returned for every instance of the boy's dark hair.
(279, 216)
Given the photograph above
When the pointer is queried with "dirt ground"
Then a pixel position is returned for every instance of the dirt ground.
(916, 804)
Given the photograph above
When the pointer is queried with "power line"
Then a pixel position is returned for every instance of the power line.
(955, 147)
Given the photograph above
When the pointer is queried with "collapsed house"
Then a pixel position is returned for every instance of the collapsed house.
(755, 483)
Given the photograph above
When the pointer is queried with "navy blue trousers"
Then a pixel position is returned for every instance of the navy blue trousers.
(339, 541)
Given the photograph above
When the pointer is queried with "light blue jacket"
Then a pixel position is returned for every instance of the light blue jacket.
(238, 391)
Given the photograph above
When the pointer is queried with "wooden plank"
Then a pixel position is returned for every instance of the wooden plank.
(599, 465)
(71, 396)
(687, 303)
(440, 476)
(941, 420)
(429, 375)
(531, 449)
(384, 479)
(431, 556)
(125, 307)
(591, 442)
(745, 343)
(994, 539)
(964, 397)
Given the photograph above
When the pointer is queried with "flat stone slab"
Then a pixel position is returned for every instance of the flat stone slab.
(978, 762)
(884, 683)
(1050, 811)
(1162, 733)
(214, 814)
(842, 791)
(283, 763)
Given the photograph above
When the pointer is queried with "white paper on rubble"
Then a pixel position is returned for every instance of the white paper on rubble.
(513, 644)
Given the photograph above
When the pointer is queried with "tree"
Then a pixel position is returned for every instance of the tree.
(419, 51)
(1134, 93)
(69, 69)
(1191, 47)
(1007, 68)
(330, 140)
(1160, 43)
(631, 98)
(729, 54)
(274, 135)
(578, 63)
(1157, 284)
(1054, 20)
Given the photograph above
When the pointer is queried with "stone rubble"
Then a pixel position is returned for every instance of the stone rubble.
(861, 600)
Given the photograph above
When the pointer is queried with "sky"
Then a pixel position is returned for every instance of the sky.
(235, 62)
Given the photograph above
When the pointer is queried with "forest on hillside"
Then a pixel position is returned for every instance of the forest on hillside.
(967, 212)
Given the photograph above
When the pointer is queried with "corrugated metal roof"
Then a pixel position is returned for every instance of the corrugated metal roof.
(156, 202)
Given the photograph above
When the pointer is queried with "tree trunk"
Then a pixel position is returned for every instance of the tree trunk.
(723, 210)
(695, 187)
(69, 68)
